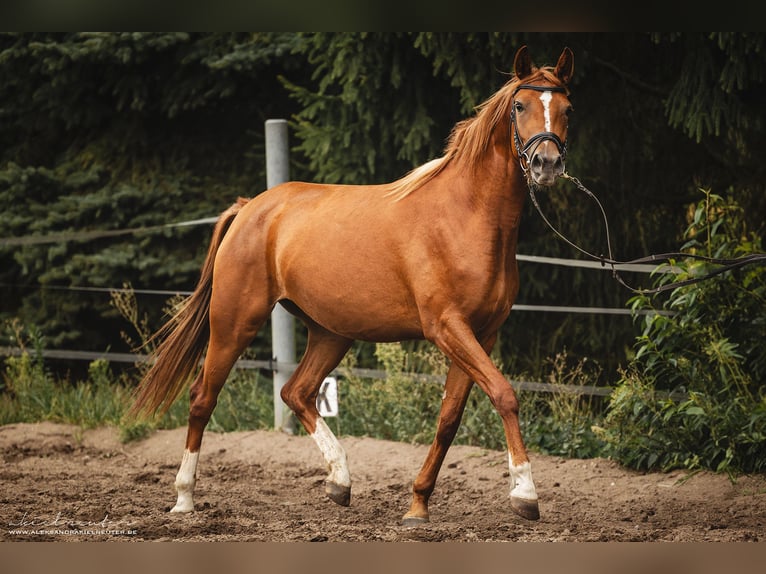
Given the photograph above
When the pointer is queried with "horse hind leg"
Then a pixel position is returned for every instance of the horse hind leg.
(228, 339)
(187, 473)
(324, 351)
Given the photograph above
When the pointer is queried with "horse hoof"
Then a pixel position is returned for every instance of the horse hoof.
(414, 521)
(337, 493)
(181, 509)
(525, 508)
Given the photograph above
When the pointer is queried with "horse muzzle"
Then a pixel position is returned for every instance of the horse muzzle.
(542, 158)
(546, 164)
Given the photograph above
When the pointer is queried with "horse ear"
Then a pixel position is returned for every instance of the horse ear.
(565, 67)
(522, 63)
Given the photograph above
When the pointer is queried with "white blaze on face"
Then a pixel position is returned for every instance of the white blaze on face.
(545, 98)
(185, 480)
(333, 454)
(522, 485)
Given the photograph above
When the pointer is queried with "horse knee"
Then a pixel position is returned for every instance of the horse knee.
(506, 403)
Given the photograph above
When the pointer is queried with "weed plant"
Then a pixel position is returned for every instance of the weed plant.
(401, 407)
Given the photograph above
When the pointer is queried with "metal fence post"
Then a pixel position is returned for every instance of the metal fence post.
(282, 322)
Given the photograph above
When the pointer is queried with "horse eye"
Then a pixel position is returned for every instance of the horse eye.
(518, 107)
(570, 109)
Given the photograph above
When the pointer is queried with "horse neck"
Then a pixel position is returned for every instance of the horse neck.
(496, 183)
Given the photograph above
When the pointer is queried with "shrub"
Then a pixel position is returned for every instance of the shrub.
(397, 407)
(561, 422)
(706, 350)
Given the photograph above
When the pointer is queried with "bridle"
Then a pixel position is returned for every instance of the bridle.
(528, 149)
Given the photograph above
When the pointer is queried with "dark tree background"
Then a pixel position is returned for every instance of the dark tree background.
(108, 131)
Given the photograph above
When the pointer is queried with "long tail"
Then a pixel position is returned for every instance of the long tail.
(184, 337)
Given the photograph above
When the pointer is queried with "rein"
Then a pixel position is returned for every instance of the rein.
(726, 264)
(526, 151)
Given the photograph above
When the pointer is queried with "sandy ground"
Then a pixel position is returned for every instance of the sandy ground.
(59, 483)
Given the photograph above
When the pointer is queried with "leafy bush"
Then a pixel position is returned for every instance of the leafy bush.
(704, 344)
(396, 408)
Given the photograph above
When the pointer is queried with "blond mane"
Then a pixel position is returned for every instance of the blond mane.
(470, 138)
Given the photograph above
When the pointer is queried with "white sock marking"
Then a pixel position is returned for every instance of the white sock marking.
(185, 481)
(333, 453)
(545, 98)
(522, 485)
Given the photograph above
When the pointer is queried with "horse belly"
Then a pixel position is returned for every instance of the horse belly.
(349, 284)
(356, 303)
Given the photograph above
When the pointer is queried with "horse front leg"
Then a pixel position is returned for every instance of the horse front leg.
(456, 389)
(456, 339)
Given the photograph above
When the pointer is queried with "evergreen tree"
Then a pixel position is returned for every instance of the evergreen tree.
(110, 131)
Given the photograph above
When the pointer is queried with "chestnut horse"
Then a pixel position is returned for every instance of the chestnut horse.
(432, 255)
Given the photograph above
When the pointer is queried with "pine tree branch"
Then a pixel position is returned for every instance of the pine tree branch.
(631, 79)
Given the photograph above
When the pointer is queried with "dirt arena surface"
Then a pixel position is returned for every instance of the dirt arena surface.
(60, 483)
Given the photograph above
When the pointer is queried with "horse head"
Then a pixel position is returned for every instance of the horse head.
(539, 116)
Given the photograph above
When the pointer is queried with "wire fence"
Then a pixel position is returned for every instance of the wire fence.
(271, 365)
(288, 368)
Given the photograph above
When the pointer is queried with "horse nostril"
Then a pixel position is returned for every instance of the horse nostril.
(543, 162)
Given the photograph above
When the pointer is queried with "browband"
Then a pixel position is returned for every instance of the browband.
(561, 89)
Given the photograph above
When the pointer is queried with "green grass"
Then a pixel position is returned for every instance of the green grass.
(398, 407)
(32, 395)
